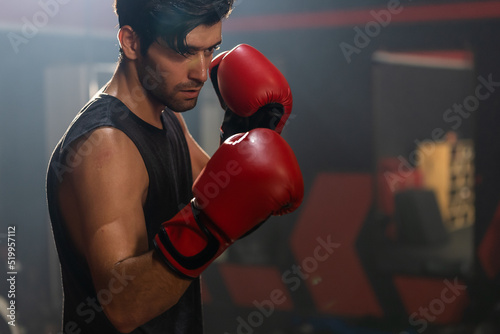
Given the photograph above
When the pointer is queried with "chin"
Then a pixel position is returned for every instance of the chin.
(182, 106)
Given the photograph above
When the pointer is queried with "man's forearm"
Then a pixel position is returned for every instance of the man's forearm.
(137, 290)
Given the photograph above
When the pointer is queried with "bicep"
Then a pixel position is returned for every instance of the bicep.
(102, 200)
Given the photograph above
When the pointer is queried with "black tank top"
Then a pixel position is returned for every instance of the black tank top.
(166, 156)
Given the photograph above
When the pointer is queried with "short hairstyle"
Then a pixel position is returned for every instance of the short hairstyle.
(169, 20)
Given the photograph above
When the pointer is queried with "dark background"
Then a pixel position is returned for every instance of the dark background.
(332, 129)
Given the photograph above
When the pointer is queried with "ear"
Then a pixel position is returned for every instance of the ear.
(129, 42)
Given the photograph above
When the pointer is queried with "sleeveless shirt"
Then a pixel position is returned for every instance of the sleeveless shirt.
(166, 157)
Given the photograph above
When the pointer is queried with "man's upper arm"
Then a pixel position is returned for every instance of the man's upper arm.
(101, 200)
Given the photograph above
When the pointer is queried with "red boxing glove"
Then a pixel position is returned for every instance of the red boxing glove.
(250, 177)
(251, 90)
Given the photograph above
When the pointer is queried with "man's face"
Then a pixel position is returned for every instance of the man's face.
(175, 80)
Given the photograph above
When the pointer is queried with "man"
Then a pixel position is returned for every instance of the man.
(126, 166)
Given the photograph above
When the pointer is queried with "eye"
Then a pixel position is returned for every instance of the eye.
(210, 51)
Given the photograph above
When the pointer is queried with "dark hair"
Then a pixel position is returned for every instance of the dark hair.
(169, 20)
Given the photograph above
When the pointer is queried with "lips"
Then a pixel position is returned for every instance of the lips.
(190, 93)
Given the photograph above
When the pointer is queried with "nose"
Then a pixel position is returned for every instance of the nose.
(198, 68)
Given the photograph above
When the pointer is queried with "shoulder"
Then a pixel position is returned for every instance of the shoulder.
(98, 112)
(105, 143)
(106, 152)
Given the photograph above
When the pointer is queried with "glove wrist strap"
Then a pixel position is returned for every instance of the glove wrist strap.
(190, 262)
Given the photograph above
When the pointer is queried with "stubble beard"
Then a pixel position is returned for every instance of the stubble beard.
(153, 82)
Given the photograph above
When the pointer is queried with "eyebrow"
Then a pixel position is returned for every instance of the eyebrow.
(198, 48)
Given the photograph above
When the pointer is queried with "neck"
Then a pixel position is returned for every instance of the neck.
(126, 86)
